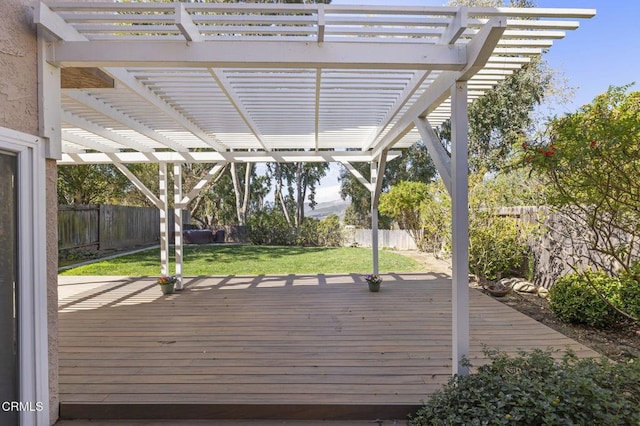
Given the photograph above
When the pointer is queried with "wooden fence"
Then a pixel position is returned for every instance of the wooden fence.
(104, 227)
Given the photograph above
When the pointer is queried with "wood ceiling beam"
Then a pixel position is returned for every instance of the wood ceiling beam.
(85, 78)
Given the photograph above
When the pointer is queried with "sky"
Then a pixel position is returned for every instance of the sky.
(603, 52)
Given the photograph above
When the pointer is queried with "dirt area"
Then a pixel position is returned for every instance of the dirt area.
(618, 343)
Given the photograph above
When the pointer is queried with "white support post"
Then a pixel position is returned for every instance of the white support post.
(460, 222)
(177, 201)
(374, 218)
(377, 170)
(164, 218)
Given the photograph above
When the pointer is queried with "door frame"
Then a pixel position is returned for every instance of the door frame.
(33, 346)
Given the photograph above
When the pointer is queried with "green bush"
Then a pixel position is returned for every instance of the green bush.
(329, 231)
(630, 290)
(497, 246)
(307, 233)
(536, 389)
(574, 299)
(270, 227)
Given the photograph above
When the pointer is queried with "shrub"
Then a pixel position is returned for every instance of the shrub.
(497, 246)
(270, 227)
(574, 299)
(329, 231)
(629, 298)
(307, 233)
(535, 389)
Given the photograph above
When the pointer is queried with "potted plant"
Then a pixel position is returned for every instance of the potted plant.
(374, 281)
(167, 283)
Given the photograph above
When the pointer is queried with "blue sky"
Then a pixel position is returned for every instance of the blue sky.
(604, 51)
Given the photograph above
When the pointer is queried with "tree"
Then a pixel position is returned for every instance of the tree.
(404, 203)
(590, 161)
(415, 164)
(300, 181)
(102, 184)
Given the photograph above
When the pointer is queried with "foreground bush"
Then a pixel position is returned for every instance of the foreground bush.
(630, 290)
(573, 298)
(536, 389)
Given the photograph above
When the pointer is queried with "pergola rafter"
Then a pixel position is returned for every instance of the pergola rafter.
(227, 83)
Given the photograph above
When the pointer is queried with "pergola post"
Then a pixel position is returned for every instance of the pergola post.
(177, 201)
(377, 171)
(460, 222)
(164, 218)
(374, 216)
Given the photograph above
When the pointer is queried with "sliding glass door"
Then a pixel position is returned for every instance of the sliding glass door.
(8, 290)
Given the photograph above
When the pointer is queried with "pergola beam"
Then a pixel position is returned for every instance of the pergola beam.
(214, 157)
(436, 151)
(235, 100)
(356, 174)
(139, 185)
(478, 52)
(186, 25)
(259, 54)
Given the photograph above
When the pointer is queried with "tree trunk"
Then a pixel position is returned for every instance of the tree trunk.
(299, 194)
(238, 194)
(247, 192)
(278, 193)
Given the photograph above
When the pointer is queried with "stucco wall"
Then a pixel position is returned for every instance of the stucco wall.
(18, 67)
(19, 111)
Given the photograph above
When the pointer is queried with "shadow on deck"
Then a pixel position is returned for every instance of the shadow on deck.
(270, 347)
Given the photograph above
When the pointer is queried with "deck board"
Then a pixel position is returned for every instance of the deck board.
(271, 347)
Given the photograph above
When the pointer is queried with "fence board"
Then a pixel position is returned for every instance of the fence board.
(105, 227)
(125, 226)
(78, 226)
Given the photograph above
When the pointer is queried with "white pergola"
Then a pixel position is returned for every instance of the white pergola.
(176, 83)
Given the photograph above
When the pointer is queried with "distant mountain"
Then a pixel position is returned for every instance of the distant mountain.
(323, 210)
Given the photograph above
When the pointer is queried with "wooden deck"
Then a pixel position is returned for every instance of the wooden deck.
(293, 347)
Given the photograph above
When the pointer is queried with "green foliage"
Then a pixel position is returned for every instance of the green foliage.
(497, 246)
(403, 204)
(100, 184)
(253, 260)
(573, 298)
(269, 227)
(435, 214)
(415, 165)
(630, 290)
(536, 389)
(329, 232)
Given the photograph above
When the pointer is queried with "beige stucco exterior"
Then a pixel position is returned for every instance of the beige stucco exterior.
(19, 111)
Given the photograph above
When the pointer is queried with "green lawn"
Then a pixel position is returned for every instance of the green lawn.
(253, 260)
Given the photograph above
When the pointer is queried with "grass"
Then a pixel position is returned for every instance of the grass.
(253, 260)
